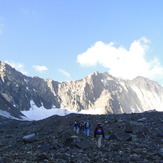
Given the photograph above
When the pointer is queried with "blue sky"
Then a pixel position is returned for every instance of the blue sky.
(69, 39)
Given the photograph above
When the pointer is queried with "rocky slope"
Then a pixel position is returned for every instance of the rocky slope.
(98, 90)
(129, 138)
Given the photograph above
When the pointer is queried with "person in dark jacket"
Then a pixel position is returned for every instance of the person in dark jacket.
(99, 134)
(76, 126)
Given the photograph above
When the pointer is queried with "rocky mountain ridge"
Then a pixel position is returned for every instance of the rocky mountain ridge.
(98, 90)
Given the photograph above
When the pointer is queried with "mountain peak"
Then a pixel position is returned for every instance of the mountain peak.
(96, 92)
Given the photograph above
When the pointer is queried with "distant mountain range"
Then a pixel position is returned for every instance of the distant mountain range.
(96, 91)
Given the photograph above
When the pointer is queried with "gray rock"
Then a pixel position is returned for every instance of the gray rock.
(30, 138)
(112, 137)
(142, 119)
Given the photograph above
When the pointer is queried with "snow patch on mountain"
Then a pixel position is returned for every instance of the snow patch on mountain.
(38, 113)
(92, 111)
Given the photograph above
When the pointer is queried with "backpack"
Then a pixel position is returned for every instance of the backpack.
(87, 125)
(99, 130)
(75, 124)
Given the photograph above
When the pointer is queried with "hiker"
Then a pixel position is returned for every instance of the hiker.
(99, 134)
(76, 126)
(87, 128)
(82, 126)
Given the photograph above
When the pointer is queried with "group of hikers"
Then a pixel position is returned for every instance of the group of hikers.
(84, 128)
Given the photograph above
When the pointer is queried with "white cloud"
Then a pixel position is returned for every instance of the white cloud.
(122, 62)
(64, 72)
(40, 68)
(17, 66)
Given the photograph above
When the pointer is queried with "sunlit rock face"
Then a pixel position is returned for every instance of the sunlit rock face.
(98, 93)
(111, 95)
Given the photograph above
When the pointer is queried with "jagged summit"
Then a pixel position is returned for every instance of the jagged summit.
(96, 92)
(6, 69)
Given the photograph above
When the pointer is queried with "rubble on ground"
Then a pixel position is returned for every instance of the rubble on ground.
(129, 138)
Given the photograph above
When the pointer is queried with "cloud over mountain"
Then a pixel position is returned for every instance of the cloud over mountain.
(18, 66)
(122, 62)
(40, 68)
(64, 72)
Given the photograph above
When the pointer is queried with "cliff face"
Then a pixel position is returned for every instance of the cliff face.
(98, 90)
(101, 90)
(17, 90)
